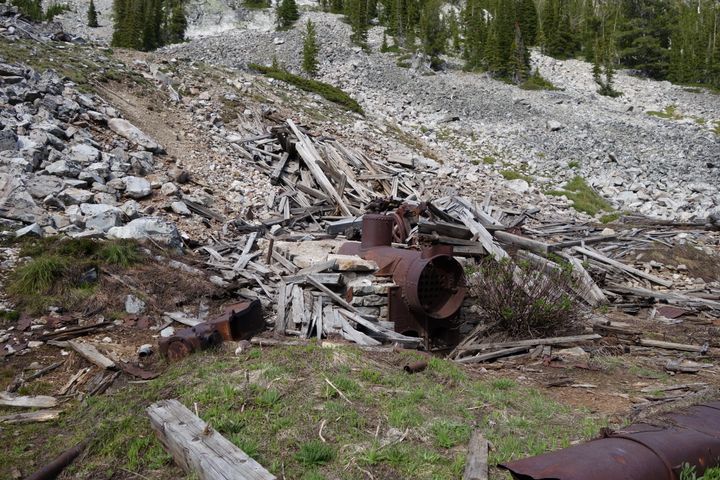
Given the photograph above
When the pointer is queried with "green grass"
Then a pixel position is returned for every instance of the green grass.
(56, 271)
(537, 82)
(435, 411)
(515, 175)
(610, 217)
(573, 164)
(325, 90)
(315, 452)
(584, 198)
(488, 160)
(670, 112)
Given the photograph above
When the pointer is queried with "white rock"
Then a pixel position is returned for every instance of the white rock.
(137, 187)
(133, 134)
(133, 305)
(180, 208)
(518, 185)
(30, 231)
(157, 229)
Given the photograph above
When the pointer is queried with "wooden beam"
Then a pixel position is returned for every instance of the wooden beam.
(198, 449)
(533, 342)
(524, 242)
(37, 401)
(646, 342)
(31, 417)
(484, 357)
(621, 266)
(476, 464)
(91, 354)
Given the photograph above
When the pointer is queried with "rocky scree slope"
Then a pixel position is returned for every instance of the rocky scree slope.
(657, 166)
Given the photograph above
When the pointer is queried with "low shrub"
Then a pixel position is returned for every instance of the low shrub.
(523, 300)
(325, 90)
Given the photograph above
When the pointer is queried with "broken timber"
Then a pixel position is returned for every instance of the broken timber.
(476, 465)
(199, 449)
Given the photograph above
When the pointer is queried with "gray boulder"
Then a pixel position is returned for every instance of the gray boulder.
(136, 187)
(85, 154)
(31, 230)
(133, 134)
(75, 196)
(64, 168)
(8, 140)
(157, 229)
(104, 221)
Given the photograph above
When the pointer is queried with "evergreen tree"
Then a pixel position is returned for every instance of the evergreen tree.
(475, 33)
(433, 31)
(603, 69)
(520, 61)
(454, 32)
(310, 50)
(286, 13)
(527, 18)
(177, 24)
(357, 15)
(92, 19)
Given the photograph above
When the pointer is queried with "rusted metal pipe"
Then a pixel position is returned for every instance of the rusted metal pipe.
(430, 282)
(54, 468)
(239, 322)
(416, 367)
(641, 451)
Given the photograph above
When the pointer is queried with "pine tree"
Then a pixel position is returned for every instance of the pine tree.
(433, 31)
(527, 18)
(603, 69)
(357, 14)
(92, 15)
(287, 13)
(310, 50)
(384, 47)
(475, 34)
(454, 32)
(520, 62)
(177, 24)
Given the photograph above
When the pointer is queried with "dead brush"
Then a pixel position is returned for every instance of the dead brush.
(524, 300)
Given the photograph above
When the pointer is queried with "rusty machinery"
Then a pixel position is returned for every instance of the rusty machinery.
(429, 283)
(240, 321)
(642, 451)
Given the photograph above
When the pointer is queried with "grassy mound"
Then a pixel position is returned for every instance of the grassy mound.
(325, 90)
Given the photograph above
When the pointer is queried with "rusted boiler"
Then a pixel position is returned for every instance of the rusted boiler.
(429, 283)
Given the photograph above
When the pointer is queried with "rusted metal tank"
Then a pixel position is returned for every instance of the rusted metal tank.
(641, 451)
(240, 321)
(430, 283)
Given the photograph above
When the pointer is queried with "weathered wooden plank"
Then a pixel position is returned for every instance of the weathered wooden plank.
(533, 342)
(91, 354)
(25, 401)
(602, 258)
(279, 167)
(483, 235)
(524, 242)
(476, 464)
(282, 301)
(198, 448)
(31, 417)
(647, 342)
(309, 154)
(484, 357)
(595, 296)
(332, 279)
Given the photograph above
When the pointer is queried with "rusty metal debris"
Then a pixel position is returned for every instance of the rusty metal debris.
(430, 283)
(416, 367)
(641, 451)
(54, 468)
(240, 321)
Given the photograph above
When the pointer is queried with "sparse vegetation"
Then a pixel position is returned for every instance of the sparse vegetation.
(325, 90)
(544, 306)
(537, 82)
(439, 407)
(670, 112)
(515, 175)
(584, 197)
(64, 272)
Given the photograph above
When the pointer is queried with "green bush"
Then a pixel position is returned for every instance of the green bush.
(325, 90)
(56, 9)
(543, 305)
(584, 198)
